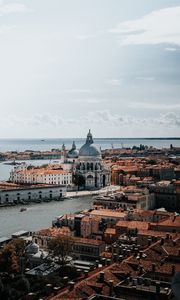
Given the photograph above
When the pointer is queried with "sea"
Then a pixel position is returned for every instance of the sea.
(105, 143)
(40, 215)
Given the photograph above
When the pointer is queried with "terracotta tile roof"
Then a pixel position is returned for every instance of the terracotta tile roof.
(53, 232)
(88, 241)
(119, 271)
(156, 233)
(111, 231)
(106, 254)
(133, 224)
(108, 213)
(50, 232)
(171, 222)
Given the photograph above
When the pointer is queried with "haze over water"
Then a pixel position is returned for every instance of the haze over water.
(104, 143)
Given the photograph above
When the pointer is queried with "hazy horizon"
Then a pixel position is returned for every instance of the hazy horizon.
(95, 138)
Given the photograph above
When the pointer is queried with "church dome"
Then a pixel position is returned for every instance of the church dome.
(33, 248)
(89, 149)
(73, 153)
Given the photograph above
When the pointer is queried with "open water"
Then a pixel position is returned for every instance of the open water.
(104, 143)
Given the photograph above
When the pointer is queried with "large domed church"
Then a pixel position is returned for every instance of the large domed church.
(90, 165)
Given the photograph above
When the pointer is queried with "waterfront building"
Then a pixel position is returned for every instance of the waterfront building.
(14, 194)
(53, 174)
(90, 165)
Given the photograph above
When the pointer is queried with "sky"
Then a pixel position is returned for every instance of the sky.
(70, 65)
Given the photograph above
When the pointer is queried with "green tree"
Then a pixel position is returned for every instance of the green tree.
(23, 285)
(151, 162)
(78, 180)
(60, 248)
(10, 256)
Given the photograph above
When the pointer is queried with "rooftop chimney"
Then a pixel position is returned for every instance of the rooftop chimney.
(162, 241)
(65, 280)
(115, 257)
(174, 243)
(167, 236)
(157, 287)
(173, 269)
(48, 288)
(140, 253)
(111, 287)
(86, 273)
(153, 267)
(71, 285)
(101, 276)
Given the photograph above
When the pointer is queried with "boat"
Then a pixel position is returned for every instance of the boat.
(12, 163)
(23, 209)
(66, 198)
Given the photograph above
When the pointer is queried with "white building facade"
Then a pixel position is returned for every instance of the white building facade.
(90, 165)
(22, 174)
(28, 194)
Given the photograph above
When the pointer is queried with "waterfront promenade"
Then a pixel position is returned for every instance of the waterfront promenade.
(105, 190)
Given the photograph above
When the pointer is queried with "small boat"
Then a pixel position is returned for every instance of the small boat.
(12, 163)
(66, 198)
(23, 209)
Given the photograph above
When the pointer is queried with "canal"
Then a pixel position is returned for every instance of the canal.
(38, 215)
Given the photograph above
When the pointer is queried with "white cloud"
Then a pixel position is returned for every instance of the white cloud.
(78, 91)
(155, 106)
(86, 36)
(160, 26)
(114, 82)
(90, 36)
(170, 119)
(10, 8)
(86, 100)
(171, 49)
(147, 78)
(51, 125)
(4, 29)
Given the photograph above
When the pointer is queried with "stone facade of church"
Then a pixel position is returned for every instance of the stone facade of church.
(90, 165)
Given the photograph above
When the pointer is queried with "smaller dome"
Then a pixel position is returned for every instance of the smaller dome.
(33, 248)
(73, 153)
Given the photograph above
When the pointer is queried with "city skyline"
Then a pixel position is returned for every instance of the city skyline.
(109, 66)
